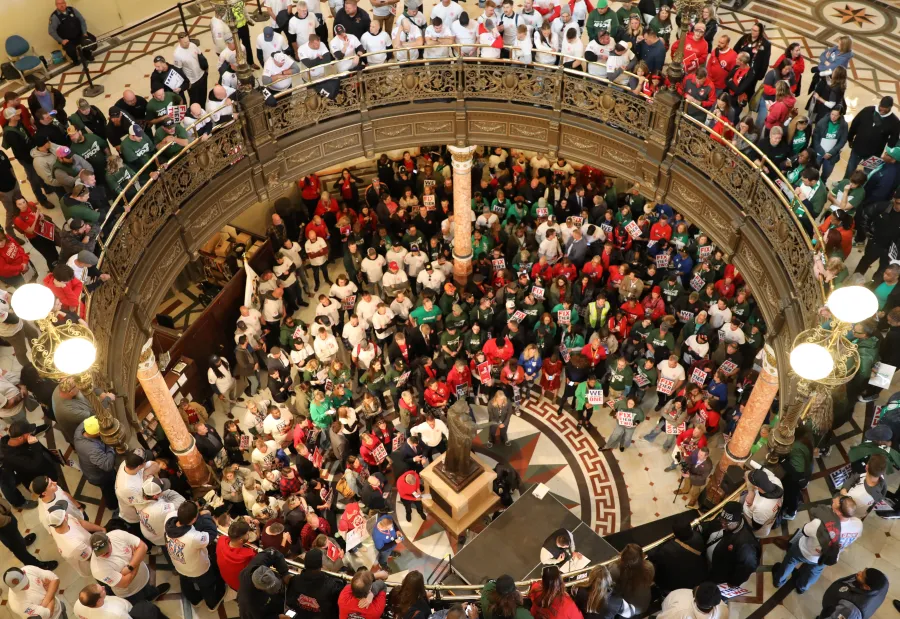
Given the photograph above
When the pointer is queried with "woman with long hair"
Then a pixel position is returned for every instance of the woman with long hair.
(757, 45)
(410, 599)
(596, 599)
(832, 58)
(549, 599)
(828, 95)
(348, 186)
(633, 577)
(501, 600)
(499, 412)
(795, 53)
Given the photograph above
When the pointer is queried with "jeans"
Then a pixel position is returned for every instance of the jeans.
(13, 540)
(10, 488)
(808, 573)
(852, 163)
(827, 165)
(209, 587)
(320, 268)
(38, 186)
(620, 436)
(148, 594)
(762, 110)
(660, 427)
(385, 553)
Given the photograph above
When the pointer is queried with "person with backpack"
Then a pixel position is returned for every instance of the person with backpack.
(819, 543)
(857, 596)
(732, 549)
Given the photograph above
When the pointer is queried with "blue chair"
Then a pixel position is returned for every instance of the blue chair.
(22, 56)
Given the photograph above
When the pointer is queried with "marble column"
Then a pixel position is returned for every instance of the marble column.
(737, 451)
(180, 440)
(462, 212)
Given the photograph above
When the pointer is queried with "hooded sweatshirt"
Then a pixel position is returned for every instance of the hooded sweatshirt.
(313, 594)
(187, 544)
(43, 164)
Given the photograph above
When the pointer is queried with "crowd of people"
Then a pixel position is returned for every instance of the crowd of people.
(582, 292)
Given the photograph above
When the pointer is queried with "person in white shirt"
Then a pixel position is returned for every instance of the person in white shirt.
(72, 537)
(326, 346)
(597, 53)
(268, 42)
(263, 456)
(229, 55)
(572, 50)
(531, 18)
(129, 479)
(764, 496)
(363, 354)
(414, 261)
(579, 12)
(564, 22)
(489, 35)
(373, 268)
(382, 323)
(719, 314)
(354, 332)
(617, 62)
(394, 281)
(437, 34)
(828, 523)
(278, 70)
(508, 23)
(545, 41)
(334, 6)
(330, 309)
(543, 230)
(220, 377)
(94, 603)
(195, 127)
(407, 34)
(273, 8)
(317, 252)
(118, 561)
(50, 495)
(315, 53)
(162, 504)
(521, 51)
(219, 30)
(465, 31)
(302, 24)
(396, 253)
(219, 105)
(33, 592)
(345, 292)
(279, 424)
(374, 41)
(703, 602)
(431, 278)
(401, 306)
(434, 434)
(187, 538)
(367, 306)
(490, 12)
(549, 247)
(448, 12)
(345, 47)
(187, 58)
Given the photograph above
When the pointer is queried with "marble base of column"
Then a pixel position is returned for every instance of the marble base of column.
(462, 269)
(193, 465)
(755, 410)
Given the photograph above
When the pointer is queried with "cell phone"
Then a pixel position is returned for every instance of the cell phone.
(290, 613)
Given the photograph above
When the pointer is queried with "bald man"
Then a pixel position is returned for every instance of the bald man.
(132, 105)
(219, 104)
(94, 603)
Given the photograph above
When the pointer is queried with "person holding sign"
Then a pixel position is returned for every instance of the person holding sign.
(672, 421)
(686, 444)
(620, 379)
(628, 417)
(459, 380)
(671, 379)
(588, 395)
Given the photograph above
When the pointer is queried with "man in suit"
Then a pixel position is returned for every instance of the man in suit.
(410, 456)
(577, 249)
(580, 201)
(422, 341)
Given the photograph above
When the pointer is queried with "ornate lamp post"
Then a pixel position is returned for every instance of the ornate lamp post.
(234, 12)
(823, 358)
(66, 350)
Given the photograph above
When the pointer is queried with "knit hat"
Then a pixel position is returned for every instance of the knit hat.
(92, 425)
(265, 579)
(83, 104)
(893, 151)
(887, 102)
(313, 559)
(732, 512)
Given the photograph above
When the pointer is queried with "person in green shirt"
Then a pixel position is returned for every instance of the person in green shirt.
(602, 18)
(565, 306)
(171, 139)
(500, 204)
(620, 378)
(662, 24)
(541, 208)
(473, 340)
(499, 594)
(395, 381)
(448, 299)
(451, 345)
(92, 148)
(812, 191)
(483, 315)
(545, 334)
(413, 237)
(886, 287)
(158, 105)
(804, 160)
(533, 309)
(425, 314)
(318, 410)
(645, 378)
(621, 435)
(118, 175)
(457, 318)
(643, 328)
(660, 339)
(626, 10)
(801, 136)
(137, 149)
(515, 212)
(848, 193)
(582, 406)
(481, 245)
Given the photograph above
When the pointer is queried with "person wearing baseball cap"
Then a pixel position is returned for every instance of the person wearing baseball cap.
(116, 126)
(395, 281)
(33, 592)
(261, 585)
(137, 148)
(17, 137)
(167, 77)
(89, 118)
(49, 495)
(118, 562)
(90, 147)
(22, 453)
(171, 138)
(704, 600)
(162, 504)
(72, 535)
(277, 71)
(763, 501)
(734, 552)
(97, 460)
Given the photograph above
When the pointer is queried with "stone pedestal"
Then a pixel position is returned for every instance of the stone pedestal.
(456, 511)
(180, 440)
(462, 212)
(738, 449)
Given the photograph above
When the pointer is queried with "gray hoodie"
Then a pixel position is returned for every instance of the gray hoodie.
(43, 164)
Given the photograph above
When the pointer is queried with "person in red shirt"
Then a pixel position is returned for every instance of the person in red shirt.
(28, 222)
(310, 191)
(351, 598)
(565, 269)
(720, 62)
(595, 352)
(618, 324)
(661, 229)
(696, 49)
(64, 286)
(687, 443)
(326, 205)
(498, 351)
(654, 306)
(699, 90)
(368, 445)
(542, 269)
(726, 288)
(232, 554)
(795, 53)
(437, 395)
(318, 226)
(458, 375)
(313, 527)
(13, 261)
(511, 376)
(11, 99)
(409, 489)
(549, 599)
(594, 269)
(632, 311)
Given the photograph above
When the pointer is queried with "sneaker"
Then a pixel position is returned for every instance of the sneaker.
(408, 517)
(49, 565)
(29, 504)
(518, 414)
(868, 398)
(162, 590)
(621, 449)
(29, 539)
(788, 516)
(671, 467)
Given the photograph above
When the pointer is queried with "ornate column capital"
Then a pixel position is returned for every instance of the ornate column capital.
(461, 157)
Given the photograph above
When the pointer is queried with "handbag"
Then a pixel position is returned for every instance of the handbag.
(344, 488)
(221, 459)
(754, 100)
(203, 62)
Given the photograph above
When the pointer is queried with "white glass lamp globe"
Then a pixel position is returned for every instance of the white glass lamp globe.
(74, 356)
(853, 304)
(811, 361)
(32, 301)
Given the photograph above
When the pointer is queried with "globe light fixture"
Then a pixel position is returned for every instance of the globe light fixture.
(74, 356)
(852, 304)
(32, 301)
(811, 361)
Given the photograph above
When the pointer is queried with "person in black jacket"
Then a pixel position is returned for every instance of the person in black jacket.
(41, 95)
(25, 456)
(354, 20)
(17, 139)
(260, 595)
(883, 232)
(50, 127)
(681, 562)
(758, 47)
(865, 591)
(313, 594)
(208, 441)
(163, 72)
(409, 456)
(870, 132)
(735, 550)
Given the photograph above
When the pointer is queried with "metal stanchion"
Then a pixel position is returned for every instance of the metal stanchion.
(92, 90)
(259, 14)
